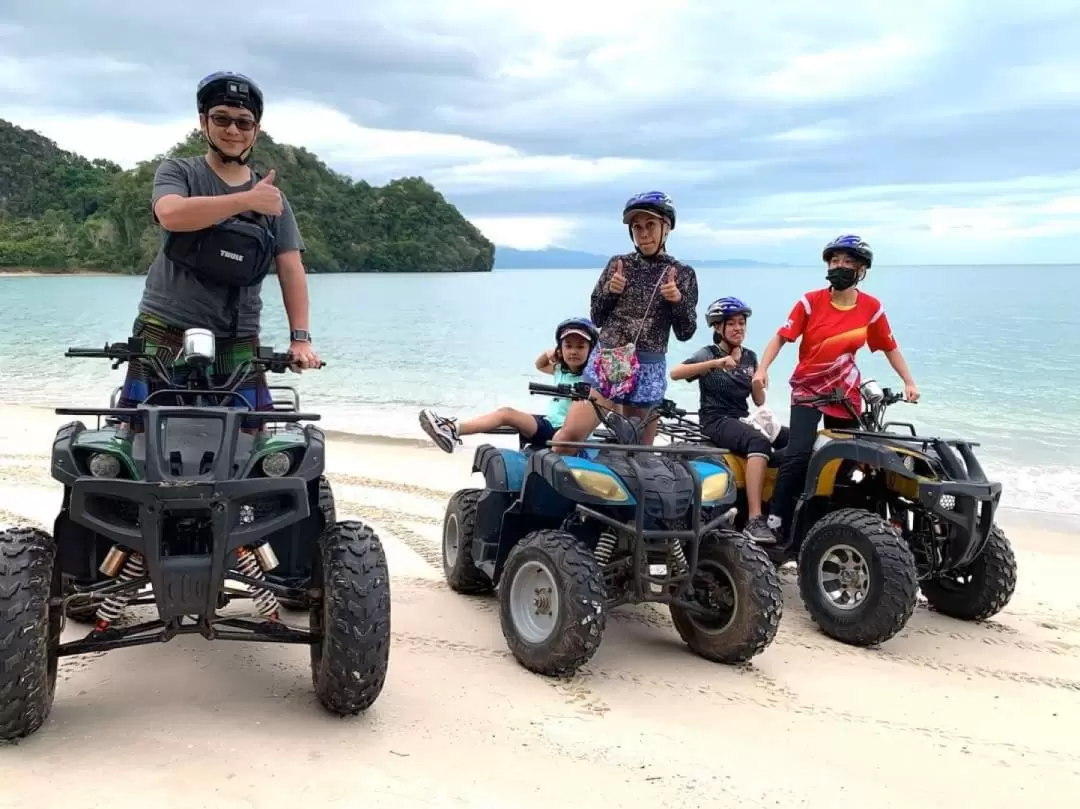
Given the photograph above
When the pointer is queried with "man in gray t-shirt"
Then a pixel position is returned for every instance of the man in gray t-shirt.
(194, 193)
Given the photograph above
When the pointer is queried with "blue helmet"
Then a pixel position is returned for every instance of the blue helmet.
(233, 89)
(655, 202)
(723, 308)
(849, 243)
(577, 325)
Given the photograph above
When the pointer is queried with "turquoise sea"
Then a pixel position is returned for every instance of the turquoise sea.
(995, 350)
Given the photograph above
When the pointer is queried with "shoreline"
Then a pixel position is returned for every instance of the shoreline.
(37, 272)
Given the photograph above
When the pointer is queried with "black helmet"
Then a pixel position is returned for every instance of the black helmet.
(577, 325)
(233, 89)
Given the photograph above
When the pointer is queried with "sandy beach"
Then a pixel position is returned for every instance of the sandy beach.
(947, 714)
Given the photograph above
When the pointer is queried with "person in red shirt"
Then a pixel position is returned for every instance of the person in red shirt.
(834, 323)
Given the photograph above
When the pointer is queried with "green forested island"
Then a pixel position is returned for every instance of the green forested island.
(60, 211)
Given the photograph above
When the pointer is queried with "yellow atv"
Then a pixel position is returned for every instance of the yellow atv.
(885, 512)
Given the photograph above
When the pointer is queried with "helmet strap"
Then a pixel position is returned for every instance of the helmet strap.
(240, 159)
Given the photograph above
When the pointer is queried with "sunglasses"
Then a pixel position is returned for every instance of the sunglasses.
(223, 120)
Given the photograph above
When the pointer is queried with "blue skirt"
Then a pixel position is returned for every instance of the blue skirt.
(650, 386)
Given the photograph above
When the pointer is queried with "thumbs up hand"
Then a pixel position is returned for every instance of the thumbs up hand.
(669, 289)
(264, 197)
(617, 282)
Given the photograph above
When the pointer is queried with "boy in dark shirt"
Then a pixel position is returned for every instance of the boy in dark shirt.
(724, 371)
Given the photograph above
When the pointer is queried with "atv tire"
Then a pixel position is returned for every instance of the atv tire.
(552, 605)
(459, 528)
(327, 510)
(29, 630)
(989, 586)
(349, 664)
(743, 581)
(881, 565)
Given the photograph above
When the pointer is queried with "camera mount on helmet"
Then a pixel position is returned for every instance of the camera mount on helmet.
(233, 90)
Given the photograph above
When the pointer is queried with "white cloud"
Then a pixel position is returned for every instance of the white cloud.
(742, 236)
(536, 171)
(868, 113)
(335, 138)
(112, 137)
(846, 72)
(526, 232)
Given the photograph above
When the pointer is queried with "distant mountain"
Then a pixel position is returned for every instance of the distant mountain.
(551, 258)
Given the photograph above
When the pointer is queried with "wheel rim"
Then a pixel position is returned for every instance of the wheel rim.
(451, 540)
(844, 577)
(534, 602)
(715, 589)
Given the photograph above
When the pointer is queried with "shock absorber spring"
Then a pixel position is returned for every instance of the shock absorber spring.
(114, 605)
(679, 556)
(248, 565)
(604, 546)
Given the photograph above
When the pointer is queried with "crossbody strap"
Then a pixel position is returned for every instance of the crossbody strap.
(645, 317)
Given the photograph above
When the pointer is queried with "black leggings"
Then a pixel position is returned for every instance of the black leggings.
(741, 438)
(792, 475)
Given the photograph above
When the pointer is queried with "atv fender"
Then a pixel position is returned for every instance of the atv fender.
(825, 464)
(64, 466)
(549, 473)
(503, 469)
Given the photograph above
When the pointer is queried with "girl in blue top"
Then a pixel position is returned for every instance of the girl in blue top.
(574, 341)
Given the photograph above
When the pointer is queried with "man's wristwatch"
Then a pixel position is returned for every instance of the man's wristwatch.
(300, 336)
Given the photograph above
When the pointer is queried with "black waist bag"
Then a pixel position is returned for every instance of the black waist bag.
(235, 253)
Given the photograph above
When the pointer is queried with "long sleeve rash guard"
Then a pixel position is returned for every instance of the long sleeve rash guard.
(620, 316)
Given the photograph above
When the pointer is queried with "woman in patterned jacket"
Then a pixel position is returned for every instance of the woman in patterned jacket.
(640, 299)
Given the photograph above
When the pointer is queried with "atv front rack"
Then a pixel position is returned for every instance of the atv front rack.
(692, 535)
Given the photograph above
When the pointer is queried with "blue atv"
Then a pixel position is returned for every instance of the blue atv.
(565, 539)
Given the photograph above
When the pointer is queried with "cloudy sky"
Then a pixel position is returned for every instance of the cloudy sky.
(941, 130)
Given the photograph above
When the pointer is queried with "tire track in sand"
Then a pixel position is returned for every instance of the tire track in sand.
(768, 695)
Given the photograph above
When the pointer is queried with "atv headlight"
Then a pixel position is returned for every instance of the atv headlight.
(715, 486)
(909, 462)
(599, 484)
(276, 464)
(104, 465)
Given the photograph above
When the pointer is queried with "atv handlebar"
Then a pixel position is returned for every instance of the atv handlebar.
(837, 397)
(135, 348)
(581, 391)
(578, 391)
(872, 416)
(265, 359)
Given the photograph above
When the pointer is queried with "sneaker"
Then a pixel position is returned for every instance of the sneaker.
(443, 431)
(758, 530)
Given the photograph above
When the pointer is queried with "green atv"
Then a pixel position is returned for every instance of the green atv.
(199, 505)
